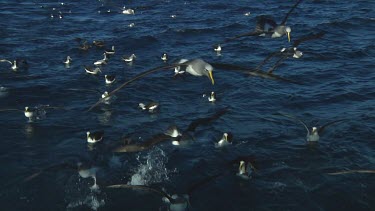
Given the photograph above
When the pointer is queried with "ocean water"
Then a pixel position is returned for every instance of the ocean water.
(336, 74)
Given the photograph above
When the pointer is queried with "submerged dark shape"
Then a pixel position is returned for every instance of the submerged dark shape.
(161, 137)
(285, 53)
(275, 30)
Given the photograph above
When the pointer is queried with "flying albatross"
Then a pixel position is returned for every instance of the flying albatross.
(288, 52)
(276, 30)
(195, 67)
(171, 133)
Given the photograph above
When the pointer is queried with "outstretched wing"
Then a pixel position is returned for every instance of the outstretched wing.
(295, 118)
(290, 11)
(262, 21)
(142, 187)
(308, 37)
(364, 171)
(272, 77)
(51, 168)
(201, 121)
(4, 60)
(321, 129)
(139, 76)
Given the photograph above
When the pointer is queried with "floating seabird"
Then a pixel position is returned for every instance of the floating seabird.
(102, 61)
(150, 107)
(164, 57)
(314, 135)
(130, 58)
(68, 60)
(92, 71)
(225, 140)
(84, 46)
(110, 51)
(110, 79)
(212, 97)
(217, 48)
(94, 137)
(180, 69)
(17, 64)
(196, 67)
(244, 170)
(127, 11)
(98, 43)
(276, 30)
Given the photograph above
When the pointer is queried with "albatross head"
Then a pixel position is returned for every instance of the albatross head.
(287, 31)
(208, 71)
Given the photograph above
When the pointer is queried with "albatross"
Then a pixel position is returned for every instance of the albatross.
(195, 67)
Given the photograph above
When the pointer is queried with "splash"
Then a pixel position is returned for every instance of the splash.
(91, 201)
(153, 170)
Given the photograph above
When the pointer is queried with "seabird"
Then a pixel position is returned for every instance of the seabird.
(186, 136)
(245, 170)
(127, 11)
(164, 57)
(68, 60)
(110, 79)
(175, 202)
(217, 48)
(29, 113)
(84, 46)
(225, 140)
(196, 67)
(173, 131)
(14, 64)
(83, 170)
(285, 53)
(212, 97)
(99, 44)
(276, 30)
(94, 137)
(180, 69)
(94, 71)
(110, 51)
(102, 61)
(313, 135)
(130, 58)
(150, 107)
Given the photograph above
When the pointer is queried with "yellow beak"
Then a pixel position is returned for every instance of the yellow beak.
(288, 33)
(211, 77)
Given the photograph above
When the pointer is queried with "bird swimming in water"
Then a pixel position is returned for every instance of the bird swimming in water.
(212, 97)
(150, 107)
(245, 169)
(92, 71)
(218, 49)
(172, 131)
(180, 69)
(225, 140)
(313, 135)
(276, 30)
(164, 57)
(84, 46)
(98, 43)
(102, 61)
(94, 137)
(130, 58)
(17, 64)
(127, 11)
(110, 51)
(196, 67)
(110, 79)
(68, 60)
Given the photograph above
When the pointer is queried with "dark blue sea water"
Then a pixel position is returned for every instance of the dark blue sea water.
(336, 72)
